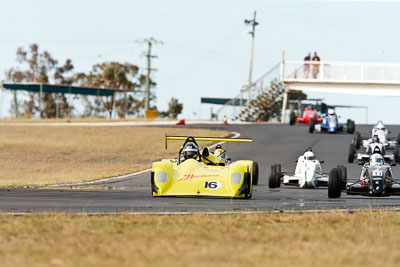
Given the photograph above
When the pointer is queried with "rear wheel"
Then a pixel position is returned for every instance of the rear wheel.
(357, 140)
(272, 177)
(292, 120)
(334, 184)
(312, 126)
(352, 152)
(398, 139)
(255, 173)
(278, 175)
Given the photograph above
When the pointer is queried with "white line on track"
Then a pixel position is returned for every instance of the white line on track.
(131, 175)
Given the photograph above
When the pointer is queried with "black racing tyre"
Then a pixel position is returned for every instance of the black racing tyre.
(398, 139)
(278, 175)
(334, 184)
(311, 126)
(247, 192)
(292, 120)
(272, 177)
(352, 153)
(255, 173)
(348, 122)
(348, 126)
(396, 154)
(352, 127)
(343, 176)
(357, 140)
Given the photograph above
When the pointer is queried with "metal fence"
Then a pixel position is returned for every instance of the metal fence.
(340, 71)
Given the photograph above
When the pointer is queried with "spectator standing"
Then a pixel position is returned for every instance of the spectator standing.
(306, 67)
(315, 70)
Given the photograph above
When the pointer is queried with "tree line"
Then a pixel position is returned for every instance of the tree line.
(41, 66)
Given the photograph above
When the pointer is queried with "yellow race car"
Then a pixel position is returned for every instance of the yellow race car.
(197, 173)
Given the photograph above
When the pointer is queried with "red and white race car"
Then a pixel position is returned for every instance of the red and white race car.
(309, 114)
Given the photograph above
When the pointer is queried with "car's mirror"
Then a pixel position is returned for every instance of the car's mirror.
(389, 131)
(322, 161)
(361, 163)
(392, 164)
(295, 161)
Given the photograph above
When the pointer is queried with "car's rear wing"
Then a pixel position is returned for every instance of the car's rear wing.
(216, 139)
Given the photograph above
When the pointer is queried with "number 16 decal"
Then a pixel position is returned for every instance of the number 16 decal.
(212, 185)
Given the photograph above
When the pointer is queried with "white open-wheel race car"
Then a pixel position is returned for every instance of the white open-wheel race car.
(308, 173)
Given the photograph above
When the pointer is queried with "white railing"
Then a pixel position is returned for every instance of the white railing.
(258, 87)
(340, 71)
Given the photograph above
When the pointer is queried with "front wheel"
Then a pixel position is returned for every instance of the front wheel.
(351, 127)
(278, 175)
(357, 140)
(352, 153)
(343, 176)
(334, 184)
(272, 177)
(255, 173)
(247, 190)
(396, 154)
(312, 126)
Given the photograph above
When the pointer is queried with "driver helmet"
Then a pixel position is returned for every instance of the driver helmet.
(190, 150)
(376, 159)
(380, 126)
(310, 107)
(309, 155)
(218, 152)
(331, 112)
(375, 139)
(309, 149)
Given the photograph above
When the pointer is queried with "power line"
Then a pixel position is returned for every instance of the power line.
(202, 61)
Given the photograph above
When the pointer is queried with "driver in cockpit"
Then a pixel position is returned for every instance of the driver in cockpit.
(190, 151)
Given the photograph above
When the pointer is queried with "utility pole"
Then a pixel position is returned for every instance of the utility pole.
(252, 23)
(149, 43)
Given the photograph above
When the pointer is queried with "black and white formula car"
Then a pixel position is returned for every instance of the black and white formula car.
(308, 173)
(376, 179)
(380, 131)
(373, 147)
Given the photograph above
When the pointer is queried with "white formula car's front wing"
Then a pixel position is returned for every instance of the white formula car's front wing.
(300, 181)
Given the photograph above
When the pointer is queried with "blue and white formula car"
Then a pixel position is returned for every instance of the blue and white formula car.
(330, 124)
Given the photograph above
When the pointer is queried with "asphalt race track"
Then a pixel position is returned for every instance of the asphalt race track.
(272, 144)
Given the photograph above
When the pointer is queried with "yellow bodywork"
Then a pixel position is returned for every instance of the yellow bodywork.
(194, 178)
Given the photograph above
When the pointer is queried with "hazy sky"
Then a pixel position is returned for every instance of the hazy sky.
(206, 43)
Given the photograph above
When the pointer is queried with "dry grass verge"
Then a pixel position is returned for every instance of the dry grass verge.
(37, 155)
(329, 239)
